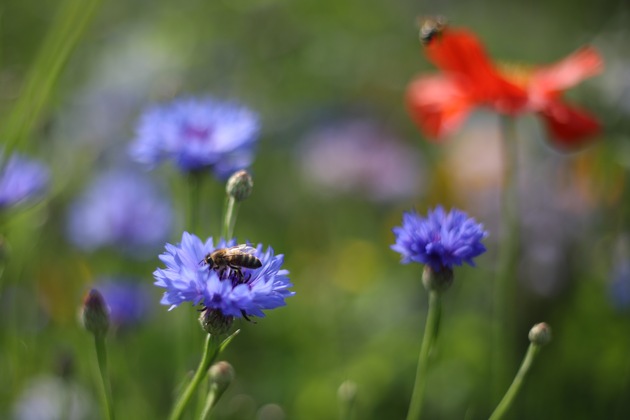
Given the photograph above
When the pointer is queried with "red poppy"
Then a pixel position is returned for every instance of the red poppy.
(440, 103)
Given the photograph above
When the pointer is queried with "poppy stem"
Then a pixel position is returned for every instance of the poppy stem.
(504, 284)
(430, 335)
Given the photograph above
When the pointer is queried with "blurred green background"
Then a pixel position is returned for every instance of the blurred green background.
(313, 68)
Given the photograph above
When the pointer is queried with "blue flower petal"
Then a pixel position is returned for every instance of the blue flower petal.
(185, 280)
(441, 240)
(196, 134)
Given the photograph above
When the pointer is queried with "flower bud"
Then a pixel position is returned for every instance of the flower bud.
(221, 374)
(240, 185)
(347, 392)
(438, 281)
(214, 322)
(540, 334)
(95, 314)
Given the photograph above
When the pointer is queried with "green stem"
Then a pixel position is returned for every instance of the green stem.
(71, 21)
(204, 388)
(347, 400)
(430, 334)
(210, 352)
(229, 219)
(504, 283)
(513, 390)
(195, 182)
(189, 331)
(214, 395)
(105, 387)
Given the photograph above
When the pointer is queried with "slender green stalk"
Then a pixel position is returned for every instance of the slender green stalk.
(105, 387)
(513, 390)
(195, 183)
(214, 395)
(212, 399)
(210, 352)
(504, 283)
(204, 388)
(70, 23)
(430, 334)
(229, 218)
(347, 394)
(188, 332)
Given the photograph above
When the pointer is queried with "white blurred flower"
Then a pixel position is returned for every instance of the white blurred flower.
(52, 398)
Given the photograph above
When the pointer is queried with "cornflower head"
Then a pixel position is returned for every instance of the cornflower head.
(21, 179)
(441, 240)
(123, 209)
(227, 291)
(197, 134)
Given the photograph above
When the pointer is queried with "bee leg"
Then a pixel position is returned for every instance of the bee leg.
(238, 272)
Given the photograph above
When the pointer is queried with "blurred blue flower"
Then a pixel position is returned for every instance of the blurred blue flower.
(128, 301)
(441, 240)
(197, 134)
(619, 289)
(359, 156)
(21, 179)
(186, 280)
(123, 209)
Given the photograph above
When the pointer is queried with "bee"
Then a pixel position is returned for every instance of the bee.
(431, 27)
(235, 257)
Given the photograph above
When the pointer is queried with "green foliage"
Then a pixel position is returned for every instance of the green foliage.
(358, 315)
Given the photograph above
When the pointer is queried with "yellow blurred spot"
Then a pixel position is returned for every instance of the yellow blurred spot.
(517, 73)
(357, 264)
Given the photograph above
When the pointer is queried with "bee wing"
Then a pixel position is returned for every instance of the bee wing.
(243, 248)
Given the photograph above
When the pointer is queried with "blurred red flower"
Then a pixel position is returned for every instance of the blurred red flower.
(440, 103)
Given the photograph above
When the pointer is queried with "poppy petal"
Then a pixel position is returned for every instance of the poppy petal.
(584, 63)
(460, 52)
(569, 127)
(438, 104)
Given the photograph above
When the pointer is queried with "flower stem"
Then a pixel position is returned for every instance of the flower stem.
(430, 334)
(210, 352)
(105, 387)
(347, 394)
(513, 390)
(214, 395)
(229, 219)
(504, 284)
(195, 179)
(71, 21)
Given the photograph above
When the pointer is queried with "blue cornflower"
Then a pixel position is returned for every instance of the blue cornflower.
(21, 179)
(128, 301)
(186, 279)
(197, 134)
(123, 209)
(441, 240)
